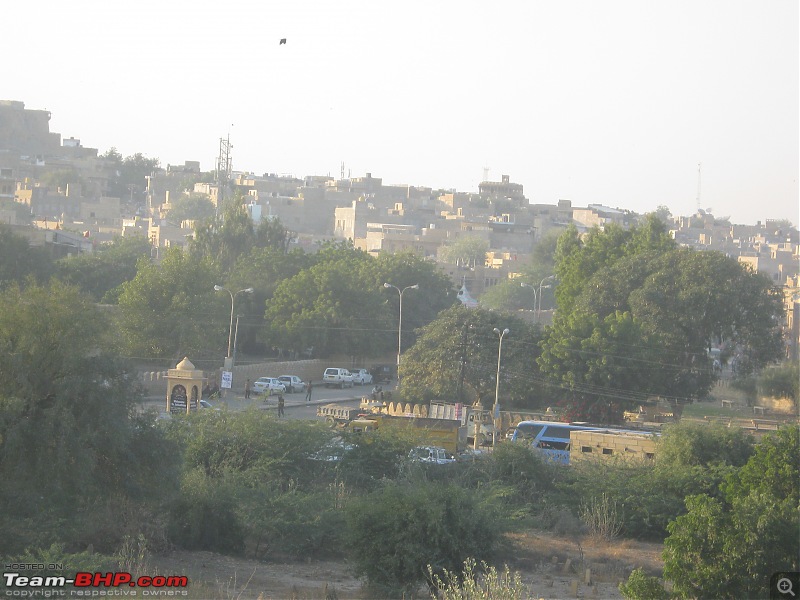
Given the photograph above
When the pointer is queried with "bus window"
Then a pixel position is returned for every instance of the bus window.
(557, 431)
(526, 431)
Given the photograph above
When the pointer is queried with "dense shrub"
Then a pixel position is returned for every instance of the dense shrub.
(393, 534)
(293, 523)
(204, 517)
(728, 547)
(641, 586)
(691, 459)
(699, 444)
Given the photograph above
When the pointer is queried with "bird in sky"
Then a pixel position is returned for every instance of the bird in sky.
(283, 41)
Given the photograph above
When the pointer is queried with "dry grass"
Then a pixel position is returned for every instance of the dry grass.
(539, 556)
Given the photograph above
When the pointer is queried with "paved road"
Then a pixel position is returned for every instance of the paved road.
(296, 406)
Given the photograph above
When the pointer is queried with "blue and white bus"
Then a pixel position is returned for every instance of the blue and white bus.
(553, 438)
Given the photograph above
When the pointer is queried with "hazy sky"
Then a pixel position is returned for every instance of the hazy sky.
(610, 102)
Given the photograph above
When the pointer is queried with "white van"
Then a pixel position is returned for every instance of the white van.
(334, 376)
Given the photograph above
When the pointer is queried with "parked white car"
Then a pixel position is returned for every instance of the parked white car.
(431, 455)
(361, 377)
(338, 377)
(268, 386)
(292, 383)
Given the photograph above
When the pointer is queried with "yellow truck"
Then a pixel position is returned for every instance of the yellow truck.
(335, 414)
(444, 433)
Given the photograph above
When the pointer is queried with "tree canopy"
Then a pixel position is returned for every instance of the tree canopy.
(637, 315)
(455, 359)
(466, 251)
(729, 547)
(70, 441)
(100, 272)
(19, 260)
(191, 207)
(170, 310)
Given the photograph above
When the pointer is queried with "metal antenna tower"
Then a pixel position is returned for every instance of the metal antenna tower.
(223, 168)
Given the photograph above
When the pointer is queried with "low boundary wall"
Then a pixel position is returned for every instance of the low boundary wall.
(155, 382)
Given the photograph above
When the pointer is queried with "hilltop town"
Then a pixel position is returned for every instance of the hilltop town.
(59, 193)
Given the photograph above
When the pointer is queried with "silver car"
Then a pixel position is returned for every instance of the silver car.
(292, 383)
(268, 386)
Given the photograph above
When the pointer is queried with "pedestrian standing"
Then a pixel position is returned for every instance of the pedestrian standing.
(281, 404)
(309, 387)
(247, 390)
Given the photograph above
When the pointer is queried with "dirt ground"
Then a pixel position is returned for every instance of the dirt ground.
(552, 566)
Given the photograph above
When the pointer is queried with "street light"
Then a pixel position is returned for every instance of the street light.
(400, 323)
(496, 409)
(540, 294)
(219, 288)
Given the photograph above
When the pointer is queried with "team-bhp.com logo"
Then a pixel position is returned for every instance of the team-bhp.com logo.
(94, 584)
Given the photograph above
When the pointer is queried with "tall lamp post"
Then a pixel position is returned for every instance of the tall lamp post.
(539, 310)
(400, 322)
(496, 408)
(219, 288)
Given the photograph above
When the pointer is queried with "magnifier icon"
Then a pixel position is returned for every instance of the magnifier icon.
(784, 586)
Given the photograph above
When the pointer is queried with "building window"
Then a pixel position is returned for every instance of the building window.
(608, 451)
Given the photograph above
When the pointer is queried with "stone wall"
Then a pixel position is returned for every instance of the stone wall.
(155, 382)
(602, 444)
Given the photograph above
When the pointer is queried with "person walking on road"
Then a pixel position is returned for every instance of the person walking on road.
(309, 387)
(281, 404)
(247, 390)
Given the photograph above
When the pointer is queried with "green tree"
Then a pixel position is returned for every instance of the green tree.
(729, 547)
(455, 359)
(326, 307)
(191, 207)
(76, 461)
(224, 239)
(604, 365)
(109, 266)
(509, 296)
(19, 260)
(170, 310)
(694, 299)
(128, 174)
(676, 303)
(271, 233)
(420, 306)
(263, 269)
(466, 251)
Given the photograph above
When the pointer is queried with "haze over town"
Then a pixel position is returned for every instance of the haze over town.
(614, 102)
